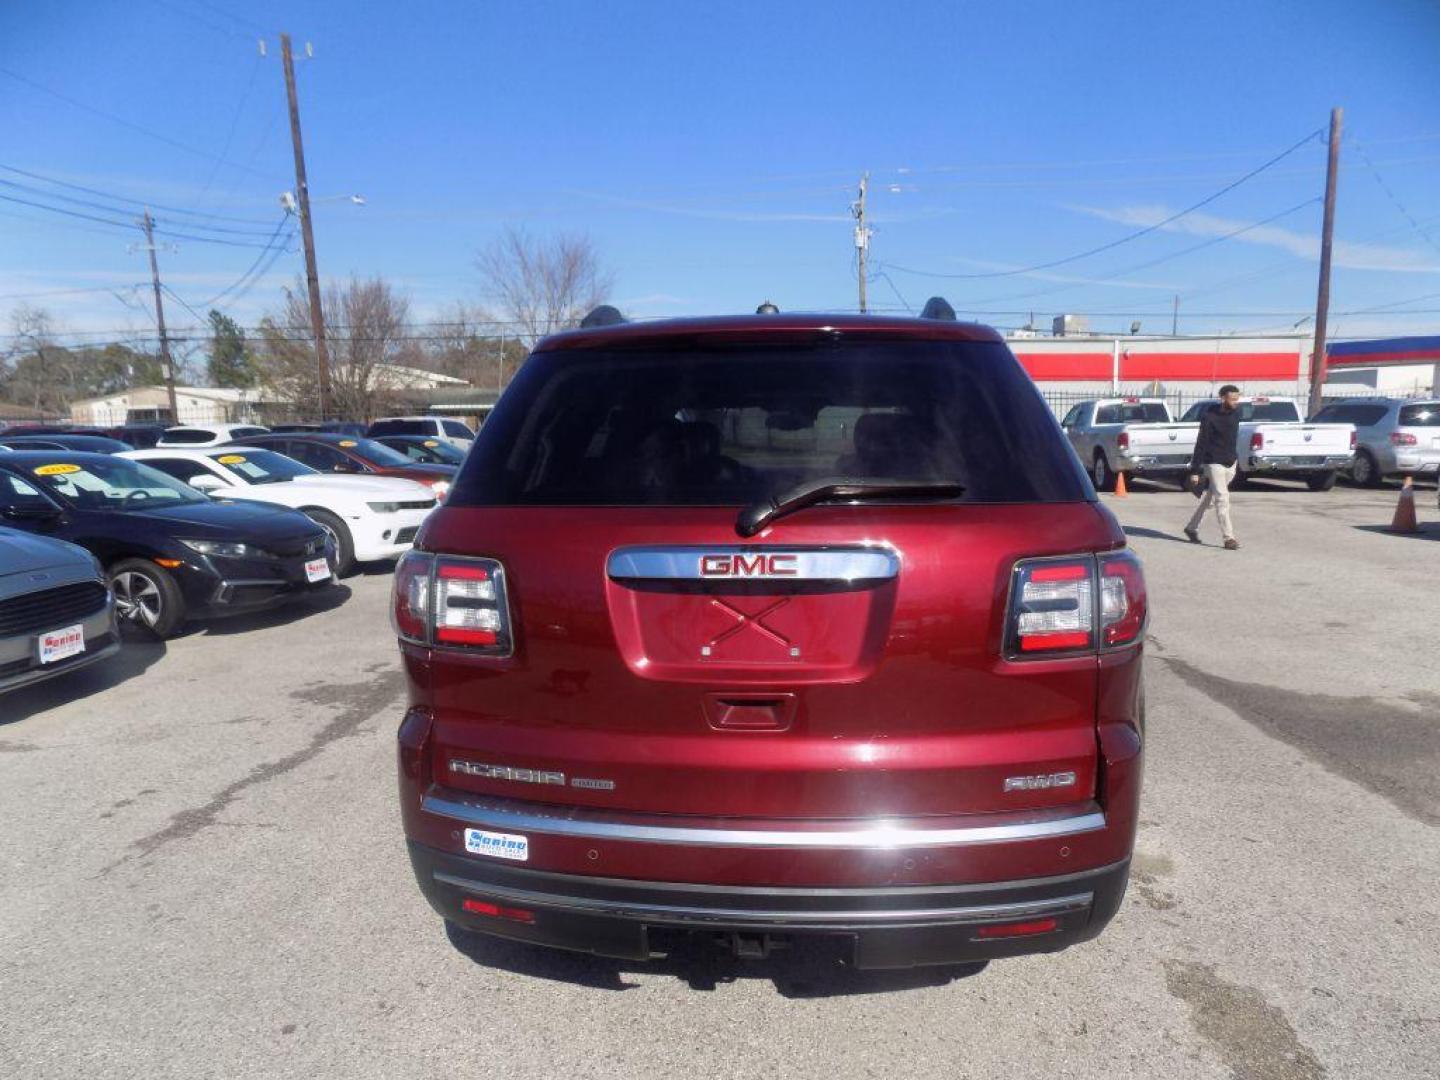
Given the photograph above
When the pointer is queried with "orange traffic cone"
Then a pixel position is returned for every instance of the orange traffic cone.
(1121, 491)
(1404, 520)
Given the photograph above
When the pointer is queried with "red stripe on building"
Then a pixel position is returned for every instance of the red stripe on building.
(1411, 356)
(1067, 367)
(1208, 367)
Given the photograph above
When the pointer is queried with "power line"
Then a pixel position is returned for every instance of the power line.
(113, 197)
(129, 225)
(1396, 199)
(124, 210)
(253, 273)
(142, 129)
(1124, 239)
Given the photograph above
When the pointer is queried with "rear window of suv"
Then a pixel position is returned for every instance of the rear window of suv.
(1427, 415)
(401, 427)
(731, 424)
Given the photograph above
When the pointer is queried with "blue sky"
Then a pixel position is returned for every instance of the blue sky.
(711, 151)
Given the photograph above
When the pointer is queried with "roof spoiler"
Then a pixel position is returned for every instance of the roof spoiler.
(604, 315)
(937, 307)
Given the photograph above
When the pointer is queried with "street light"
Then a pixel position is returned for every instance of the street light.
(292, 205)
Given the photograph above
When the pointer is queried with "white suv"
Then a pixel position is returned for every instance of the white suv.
(431, 427)
(193, 435)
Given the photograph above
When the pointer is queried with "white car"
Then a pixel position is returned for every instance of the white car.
(368, 517)
(454, 432)
(194, 435)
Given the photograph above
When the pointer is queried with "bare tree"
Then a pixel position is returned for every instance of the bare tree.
(366, 329)
(542, 286)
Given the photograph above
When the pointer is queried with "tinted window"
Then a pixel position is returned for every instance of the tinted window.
(19, 494)
(1072, 416)
(321, 456)
(427, 451)
(402, 427)
(1140, 412)
(457, 430)
(179, 468)
(182, 435)
(730, 424)
(111, 484)
(1427, 415)
(1335, 414)
(1279, 412)
(241, 432)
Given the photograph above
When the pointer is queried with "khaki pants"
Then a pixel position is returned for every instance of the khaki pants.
(1218, 492)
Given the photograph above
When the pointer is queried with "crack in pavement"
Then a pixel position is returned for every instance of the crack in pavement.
(1254, 1038)
(1390, 747)
(356, 702)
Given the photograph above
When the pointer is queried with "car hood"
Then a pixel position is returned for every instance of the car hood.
(223, 519)
(390, 488)
(21, 553)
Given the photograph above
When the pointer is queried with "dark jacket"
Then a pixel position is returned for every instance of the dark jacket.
(1215, 444)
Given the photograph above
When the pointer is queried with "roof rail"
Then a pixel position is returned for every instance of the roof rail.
(604, 315)
(937, 307)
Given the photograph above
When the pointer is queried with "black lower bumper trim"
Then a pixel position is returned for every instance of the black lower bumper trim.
(891, 927)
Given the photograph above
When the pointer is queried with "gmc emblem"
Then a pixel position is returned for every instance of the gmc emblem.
(753, 566)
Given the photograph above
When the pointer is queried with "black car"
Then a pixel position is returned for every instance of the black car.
(424, 449)
(85, 444)
(171, 553)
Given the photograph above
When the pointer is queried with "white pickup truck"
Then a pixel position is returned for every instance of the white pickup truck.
(1274, 441)
(1131, 435)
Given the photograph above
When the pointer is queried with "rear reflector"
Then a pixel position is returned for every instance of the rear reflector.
(495, 911)
(1018, 929)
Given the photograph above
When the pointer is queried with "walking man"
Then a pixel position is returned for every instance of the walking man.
(1214, 459)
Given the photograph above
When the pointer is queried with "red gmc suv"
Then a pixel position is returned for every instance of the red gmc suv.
(773, 626)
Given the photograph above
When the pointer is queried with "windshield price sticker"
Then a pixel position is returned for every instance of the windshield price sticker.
(231, 459)
(432, 443)
(57, 470)
(347, 443)
(497, 845)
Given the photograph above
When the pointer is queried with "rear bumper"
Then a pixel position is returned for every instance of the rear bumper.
(887, 927)
(1280, 463)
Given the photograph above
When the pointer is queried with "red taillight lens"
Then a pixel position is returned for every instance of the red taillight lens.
(1018, 929)
(1257, 440)
(1123, 440)
(452, 601)
(1052, 606)
(410, 597)
(1397, 438)
(1123, 601)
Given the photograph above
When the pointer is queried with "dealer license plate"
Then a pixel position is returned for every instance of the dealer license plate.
(497, 845)
(62, 644)
(1309, 460)
(317, 570)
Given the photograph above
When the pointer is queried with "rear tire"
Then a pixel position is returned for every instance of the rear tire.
(147, 597)
(1320, 482)
(339, 537)
(1101, 473)
(1365, 472)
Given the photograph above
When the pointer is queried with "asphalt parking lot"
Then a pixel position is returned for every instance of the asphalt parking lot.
(204, 873)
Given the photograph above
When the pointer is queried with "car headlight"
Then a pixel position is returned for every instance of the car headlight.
(441, 489)
(384, 508)
(223, 547)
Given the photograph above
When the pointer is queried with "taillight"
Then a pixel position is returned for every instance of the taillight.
(1257, 440)
(1123, 440)
(1052, 605)
(1122, 599)
(1055, 606)
(451, 601)
(1397, 438)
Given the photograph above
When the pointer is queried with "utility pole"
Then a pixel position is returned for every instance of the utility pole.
(149, 226)
(1175, 319)
(302, 195)
(862, 236)
(1327, 233)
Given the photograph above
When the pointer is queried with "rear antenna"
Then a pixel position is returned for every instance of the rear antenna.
(937, 307)
(604, 315)
(767, 308)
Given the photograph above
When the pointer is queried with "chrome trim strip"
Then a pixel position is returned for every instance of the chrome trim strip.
(744, 916)
(759, 563)
(877, 835)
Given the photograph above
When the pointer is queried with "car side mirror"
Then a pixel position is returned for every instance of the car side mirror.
(207, 483)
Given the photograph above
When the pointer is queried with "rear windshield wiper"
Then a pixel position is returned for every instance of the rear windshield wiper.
(830, 488)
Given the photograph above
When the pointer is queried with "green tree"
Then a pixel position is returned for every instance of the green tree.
(230, 361)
